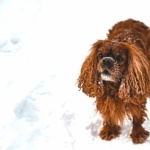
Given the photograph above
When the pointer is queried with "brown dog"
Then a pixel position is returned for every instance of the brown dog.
(117, 73)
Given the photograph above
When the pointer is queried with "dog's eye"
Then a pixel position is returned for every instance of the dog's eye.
(100, 56)
(119, 58)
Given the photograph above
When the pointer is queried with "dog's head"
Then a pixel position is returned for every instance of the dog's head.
(112, 61)
(116, 62)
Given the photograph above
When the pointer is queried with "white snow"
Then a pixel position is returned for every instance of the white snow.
(42, 46)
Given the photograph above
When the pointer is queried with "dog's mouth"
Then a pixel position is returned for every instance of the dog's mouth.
(106, 76)
(106, 72)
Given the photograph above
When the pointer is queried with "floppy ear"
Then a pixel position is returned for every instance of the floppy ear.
(136, 80)
(88, 78)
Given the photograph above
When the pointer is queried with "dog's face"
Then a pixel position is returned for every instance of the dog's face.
(112, 61)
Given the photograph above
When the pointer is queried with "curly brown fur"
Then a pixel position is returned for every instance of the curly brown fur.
(117, 74)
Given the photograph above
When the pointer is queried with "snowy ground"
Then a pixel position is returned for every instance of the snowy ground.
(42, 46)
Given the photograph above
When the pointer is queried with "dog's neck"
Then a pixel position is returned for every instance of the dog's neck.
(111, 88)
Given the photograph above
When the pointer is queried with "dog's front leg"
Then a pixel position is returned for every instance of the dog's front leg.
(138, 134)
(112, 112)
(109, 131)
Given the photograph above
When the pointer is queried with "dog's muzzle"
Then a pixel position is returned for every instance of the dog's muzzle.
(108, 62)
(107, 65)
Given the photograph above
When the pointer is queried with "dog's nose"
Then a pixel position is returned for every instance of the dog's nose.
(107, 62)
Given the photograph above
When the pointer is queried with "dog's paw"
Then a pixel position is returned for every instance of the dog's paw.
(109, 133)
(139, 135)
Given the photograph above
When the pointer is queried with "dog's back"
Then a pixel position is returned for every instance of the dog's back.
(132, 31)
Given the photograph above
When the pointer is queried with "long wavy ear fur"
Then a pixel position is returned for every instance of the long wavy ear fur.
(136, 80)
(88, 78)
